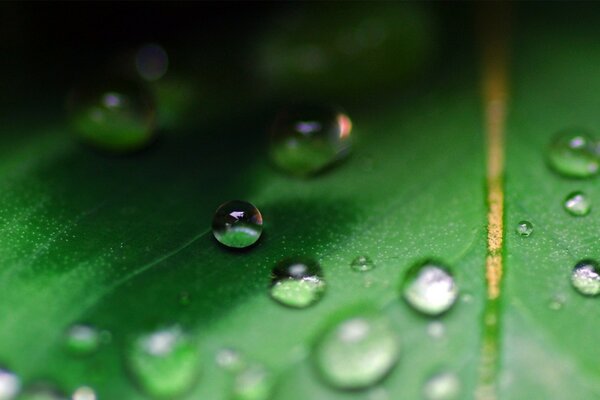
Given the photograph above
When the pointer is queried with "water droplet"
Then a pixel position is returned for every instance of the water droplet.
(229, 359)
(436, 329)
(557, 302)
(82, 340)
(357, 352)
(305, 140)
(42, 391)
(578, 204)
(116, 116)
(152, 62)
(252, 383)
(165, 362)
(573, 154)
(585, 277)
(84, 393)
(429, 287)
(442, 386)
(10, 384)
(362, 264)
(297, 282)
(237, 224)
(524, 228)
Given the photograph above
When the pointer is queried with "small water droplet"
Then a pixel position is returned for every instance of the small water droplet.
(557, 302)
(10, 384)
(442, 386)
(585, 277)
(84, 393)
(573, 154)
(357, 352)
(578, 204)
(429, 287)
(252, 383)
(151, 62)
(362, 264)
(305, 140)
(165, 362)
(82, 340)
(237, 224)
(229, 359)
(297, 282)
(436, 329)
(524, 228)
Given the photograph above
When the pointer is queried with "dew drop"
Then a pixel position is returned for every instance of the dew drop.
(577, 204)
(362, 264)
(84, 393)
(252, 383)
(573, 154)
(442, 386)
(585, 277)
(436, 329)
(524, 228)
(357, 353)
(82, 340)
(229, 359)
(164, 363)
(115, 116)
(305, 140)
(237, 224)
(429, 287)
(10, 384)
(297, 282)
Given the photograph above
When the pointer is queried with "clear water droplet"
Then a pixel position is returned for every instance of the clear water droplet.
(10, 384)
(578, 204)
(252, 383)
(117, 116)
(442, 386)
(229, 359)
(585, 277)
(151, 62)
(297, 282)
(430, 288)
(362, 264)
(82, 340)
(524, 228)
(237, 224)
(307, 139)
(164, 363)
(84, 393)
(358, 352)
(573, 154)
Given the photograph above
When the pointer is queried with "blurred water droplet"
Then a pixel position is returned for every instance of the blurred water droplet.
(357, 352)
(252, 383)
(557, 302)
(164, 363)
(577, 204)
(585, 277)
(305, 140)
(151, 62)
(229, 359)
(237, 224)
(429, 287)
(82, 340)
(442, 386)
(10, 384)
(42, 391)
(524, 228)
(362, 264)
(297, 282)
(84, 393)
(436, 329)
(573, 154)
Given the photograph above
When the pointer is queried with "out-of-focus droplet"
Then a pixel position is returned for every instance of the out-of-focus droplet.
(237, 224)
(254, 382)
(307, 139)
(10, 384)
(585, 277)
(524, 228)
(297, 282)
(578, 204)
(229, 359)
(572, 153)
(442, 386)
(362, 264)
(84, 393)
(42, 391)
(82, 339)
(430, 288)
(151, 62)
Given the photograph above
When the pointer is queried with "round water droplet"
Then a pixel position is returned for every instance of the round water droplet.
(429, 288)
(252, 383)
(524, 228)
(237, 224)
(82, 340)
(116, 116)
(151, 62)
(84, 393)
(362, 264)
(585, 277)
(229, 359)
(573, 154)
(297, 282)
(357, 352)
(305, 140)
(10, 384)
(436, 329)
(578, 204)
(442, 386)
(164, 363)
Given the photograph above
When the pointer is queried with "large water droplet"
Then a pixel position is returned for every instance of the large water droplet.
(117, 116)
(357, 352)
(10, 384)
(297, 282)
(362, 264)
(82, 340)
(252, 383)
(429, 287)
(573, 154)
(524, 228)
(237, 224)
(578, 204)
(305, 140)
(585, 277)
(84, 393)
(442, 386)
(164, 363)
